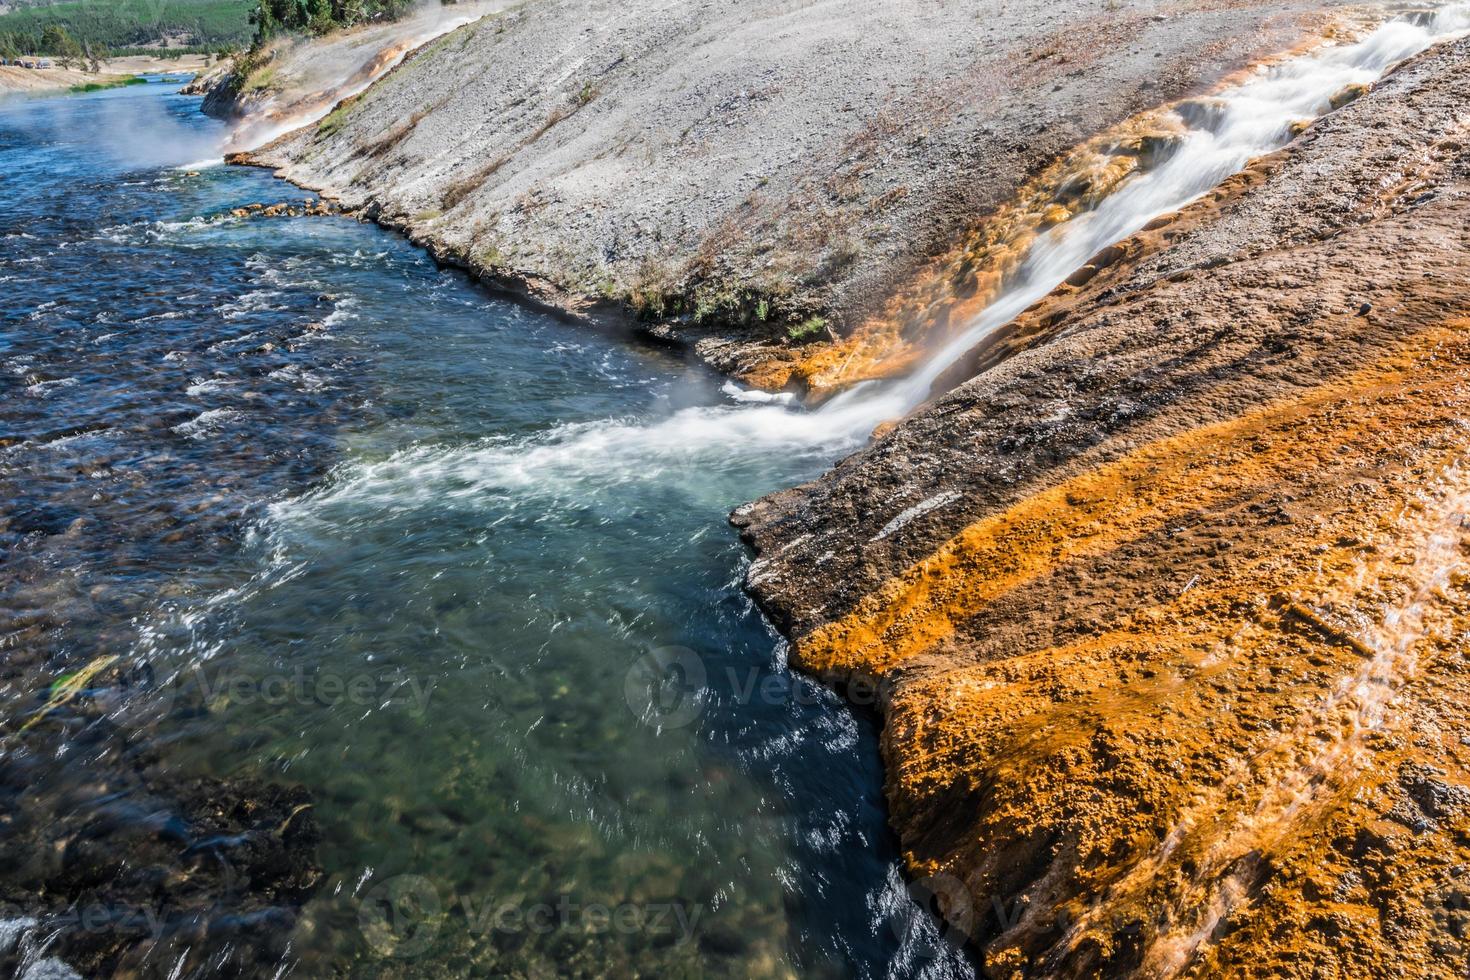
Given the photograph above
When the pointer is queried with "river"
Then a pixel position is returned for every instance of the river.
(375, 532)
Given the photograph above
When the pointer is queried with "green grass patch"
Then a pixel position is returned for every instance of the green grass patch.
(332, 121)
(808, 329)
(115, 83)
(260, 80)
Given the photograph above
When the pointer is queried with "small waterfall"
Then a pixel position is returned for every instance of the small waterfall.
(1243, 122)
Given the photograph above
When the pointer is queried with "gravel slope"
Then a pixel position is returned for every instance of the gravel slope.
(748, 171)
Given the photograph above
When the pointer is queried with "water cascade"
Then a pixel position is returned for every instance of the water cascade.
(1246, 121)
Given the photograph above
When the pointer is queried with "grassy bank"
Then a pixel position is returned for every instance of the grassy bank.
(114, 83)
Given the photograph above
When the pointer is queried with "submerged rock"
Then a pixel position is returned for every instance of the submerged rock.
(114, 862)
(286, 209)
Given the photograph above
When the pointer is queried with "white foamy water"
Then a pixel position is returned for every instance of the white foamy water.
(582, 460)
(208, 386)
(12, 930)
(250, 302)
(754, 396)
(203, 164)
(207, 423)
(43, 389)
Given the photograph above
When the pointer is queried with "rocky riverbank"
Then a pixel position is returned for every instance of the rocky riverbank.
(1166, 597)
(755, 181)
(1163, 590)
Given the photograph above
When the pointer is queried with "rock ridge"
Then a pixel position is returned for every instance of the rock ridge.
(1169, 623)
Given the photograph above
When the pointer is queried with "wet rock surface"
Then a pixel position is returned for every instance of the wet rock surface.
(308, 208)
(119, 868)
(1166, 594)
(755, 179)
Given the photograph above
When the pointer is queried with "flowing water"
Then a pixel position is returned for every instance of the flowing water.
(437, 558)
(429, 555)
(1220, 136)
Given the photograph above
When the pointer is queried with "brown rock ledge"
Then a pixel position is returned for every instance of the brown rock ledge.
(1174, 665)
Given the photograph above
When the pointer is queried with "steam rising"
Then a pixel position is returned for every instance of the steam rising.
(134, 133)
(316, 75)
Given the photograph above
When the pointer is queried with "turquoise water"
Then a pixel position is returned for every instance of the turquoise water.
(459, 569)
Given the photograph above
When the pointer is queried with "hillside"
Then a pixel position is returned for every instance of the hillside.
(751, 179)
(130, 24)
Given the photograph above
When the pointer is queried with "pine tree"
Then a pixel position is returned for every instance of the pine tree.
(57, 40)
